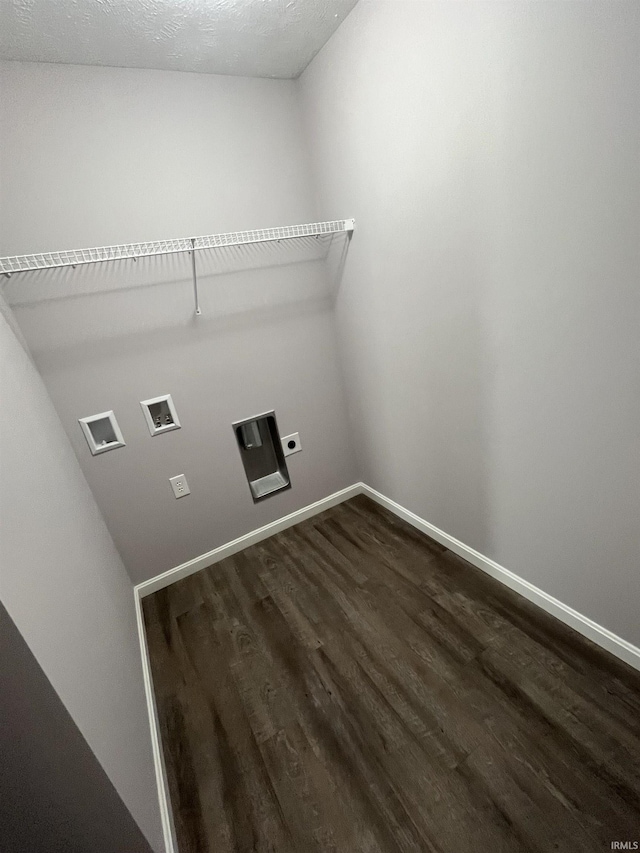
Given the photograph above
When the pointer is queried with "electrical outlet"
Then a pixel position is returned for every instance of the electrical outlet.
(180, 486)
(291, 444)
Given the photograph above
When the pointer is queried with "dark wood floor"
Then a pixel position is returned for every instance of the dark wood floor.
(350, 685)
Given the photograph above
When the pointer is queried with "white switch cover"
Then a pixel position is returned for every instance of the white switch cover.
(291, 444)
(180, 486)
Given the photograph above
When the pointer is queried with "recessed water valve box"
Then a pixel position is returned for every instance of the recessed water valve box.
(102, 432)
(262, 456)
(160, 414)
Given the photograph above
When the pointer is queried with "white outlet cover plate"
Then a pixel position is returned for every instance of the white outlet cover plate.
(285, 444)
(180, 486)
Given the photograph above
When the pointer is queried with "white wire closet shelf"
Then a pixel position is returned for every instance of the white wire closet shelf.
(75, 257)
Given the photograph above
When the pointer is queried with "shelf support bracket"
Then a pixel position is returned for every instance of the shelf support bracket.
(195, 276)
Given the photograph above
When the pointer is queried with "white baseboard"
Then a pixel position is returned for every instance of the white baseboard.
(164, 802)
(217, 554)
(183, 571)
(609, 641)
(587, 627)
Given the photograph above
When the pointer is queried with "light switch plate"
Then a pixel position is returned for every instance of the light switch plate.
(180, 486)
(291, 444)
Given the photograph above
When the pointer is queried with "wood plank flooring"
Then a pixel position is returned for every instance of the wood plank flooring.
(350, 685)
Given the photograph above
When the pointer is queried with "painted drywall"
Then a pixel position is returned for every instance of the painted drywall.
(64, 586)
(55, 794)
(155, 155)
(489, 309)
(244, 37)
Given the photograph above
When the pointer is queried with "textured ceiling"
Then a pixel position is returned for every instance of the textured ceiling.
(255, 38)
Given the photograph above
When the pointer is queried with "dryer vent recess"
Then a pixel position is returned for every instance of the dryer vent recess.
(262, 455)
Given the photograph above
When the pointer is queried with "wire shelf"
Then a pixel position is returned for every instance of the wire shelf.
(75, 257)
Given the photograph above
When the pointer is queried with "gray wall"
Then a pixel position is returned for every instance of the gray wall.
(490, 307)
(56, 798)
(155, 155)
(65, 587)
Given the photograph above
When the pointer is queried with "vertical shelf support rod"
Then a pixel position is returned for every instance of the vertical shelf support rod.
(195, 275)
